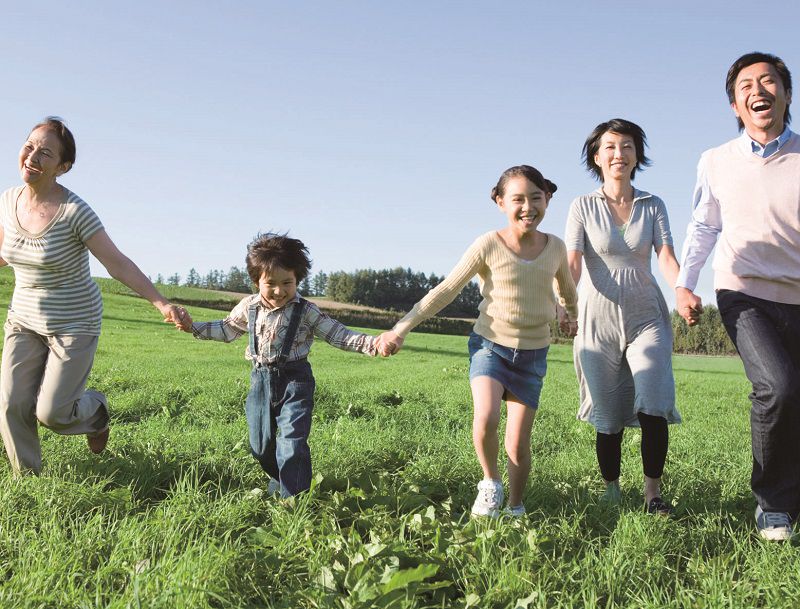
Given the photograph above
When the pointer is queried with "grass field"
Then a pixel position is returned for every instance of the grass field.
(174, 513)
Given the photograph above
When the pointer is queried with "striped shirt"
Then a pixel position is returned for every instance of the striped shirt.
(271, 326)
(54, 292)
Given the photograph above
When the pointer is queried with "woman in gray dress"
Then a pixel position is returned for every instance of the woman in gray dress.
(623, 349)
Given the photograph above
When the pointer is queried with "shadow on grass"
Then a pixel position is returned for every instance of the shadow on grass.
(435, 351)
(153, 475)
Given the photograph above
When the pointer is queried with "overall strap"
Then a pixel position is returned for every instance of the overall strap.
(252, 311)
(291, 331)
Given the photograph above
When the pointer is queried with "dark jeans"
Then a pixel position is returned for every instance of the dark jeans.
(767, 336)
(278, 409)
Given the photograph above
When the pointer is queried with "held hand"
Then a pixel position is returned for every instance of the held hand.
(570, 328)
(178, 316)
(689, 305)
(561, 315)
(389, 343)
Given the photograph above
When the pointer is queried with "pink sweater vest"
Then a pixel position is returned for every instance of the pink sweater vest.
(758, 252)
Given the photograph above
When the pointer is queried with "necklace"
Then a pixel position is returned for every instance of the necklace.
(30, 212)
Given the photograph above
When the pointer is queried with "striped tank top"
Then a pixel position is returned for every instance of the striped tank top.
(54, 292)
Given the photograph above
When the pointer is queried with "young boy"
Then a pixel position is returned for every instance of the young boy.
(281, 327)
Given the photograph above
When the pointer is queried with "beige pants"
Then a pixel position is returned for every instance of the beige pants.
(43, 378)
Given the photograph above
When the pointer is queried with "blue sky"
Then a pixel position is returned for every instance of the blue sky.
(373, 131)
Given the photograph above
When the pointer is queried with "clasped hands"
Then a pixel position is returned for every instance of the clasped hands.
(388, 343)
(689, 305)
(177, 315)
(565, 324)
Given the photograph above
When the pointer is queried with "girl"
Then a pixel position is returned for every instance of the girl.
(509, 342)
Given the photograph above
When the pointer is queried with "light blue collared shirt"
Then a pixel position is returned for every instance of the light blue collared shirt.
(706, 223)
(769, 148)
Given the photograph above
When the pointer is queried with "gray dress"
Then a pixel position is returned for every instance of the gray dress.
(623, 350)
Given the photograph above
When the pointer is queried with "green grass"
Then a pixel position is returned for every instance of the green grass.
(174, 515)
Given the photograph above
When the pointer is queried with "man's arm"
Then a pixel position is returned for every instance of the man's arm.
(701, 236)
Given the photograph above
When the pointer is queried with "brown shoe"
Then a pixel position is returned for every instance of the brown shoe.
(97, 442)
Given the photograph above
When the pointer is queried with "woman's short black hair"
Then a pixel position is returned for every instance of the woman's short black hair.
(270, 250)
(621, 127)
(748, 60)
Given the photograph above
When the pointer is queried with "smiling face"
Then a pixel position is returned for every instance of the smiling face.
(277, 286)
(760, 101)
(616, 156)
(40, 157)
(524, 204)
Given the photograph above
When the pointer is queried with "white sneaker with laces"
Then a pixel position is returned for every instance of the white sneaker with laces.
(773, 526)
(489, 499)
(514, 511)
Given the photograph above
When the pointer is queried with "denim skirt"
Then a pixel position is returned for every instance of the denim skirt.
(519, 371)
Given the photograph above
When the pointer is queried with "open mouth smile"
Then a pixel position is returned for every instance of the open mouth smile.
(761, 105)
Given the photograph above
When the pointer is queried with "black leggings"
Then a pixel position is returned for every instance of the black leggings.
(655, 439)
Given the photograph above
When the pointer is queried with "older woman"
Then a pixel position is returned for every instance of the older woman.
(53, 324)
(623, 348)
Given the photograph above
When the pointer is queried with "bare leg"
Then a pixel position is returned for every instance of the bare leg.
(518, 447)
(487, 394)
(652, 488)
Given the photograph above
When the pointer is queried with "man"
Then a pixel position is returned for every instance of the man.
(748, 196)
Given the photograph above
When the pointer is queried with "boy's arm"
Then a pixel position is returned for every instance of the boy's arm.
(337, 334)
(220, 329)
(225, 330)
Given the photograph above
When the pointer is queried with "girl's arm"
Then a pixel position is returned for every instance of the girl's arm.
(444, 293)
(434, 301)
(668, 264)
(122, 268)
(568, 296)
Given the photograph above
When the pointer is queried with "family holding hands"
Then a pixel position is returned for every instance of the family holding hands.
(747, 198)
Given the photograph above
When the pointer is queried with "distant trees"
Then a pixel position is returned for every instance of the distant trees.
(397, 289)
(319, 284)
(192, 279)
(707, 338)
(391, 289)
(237, 280)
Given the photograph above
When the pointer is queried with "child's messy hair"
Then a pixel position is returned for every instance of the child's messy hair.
(270, 250)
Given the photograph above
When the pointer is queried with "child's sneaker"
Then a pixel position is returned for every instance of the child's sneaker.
(514, 511)
(489, 499)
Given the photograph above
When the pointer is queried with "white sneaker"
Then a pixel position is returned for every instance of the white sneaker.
(489, 499)
(773, 526)
(514, 511)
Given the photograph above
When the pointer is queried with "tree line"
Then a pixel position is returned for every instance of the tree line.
(235, 280)
(390, 289)
(397, 290)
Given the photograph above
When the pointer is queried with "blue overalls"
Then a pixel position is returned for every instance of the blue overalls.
(278, 409)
